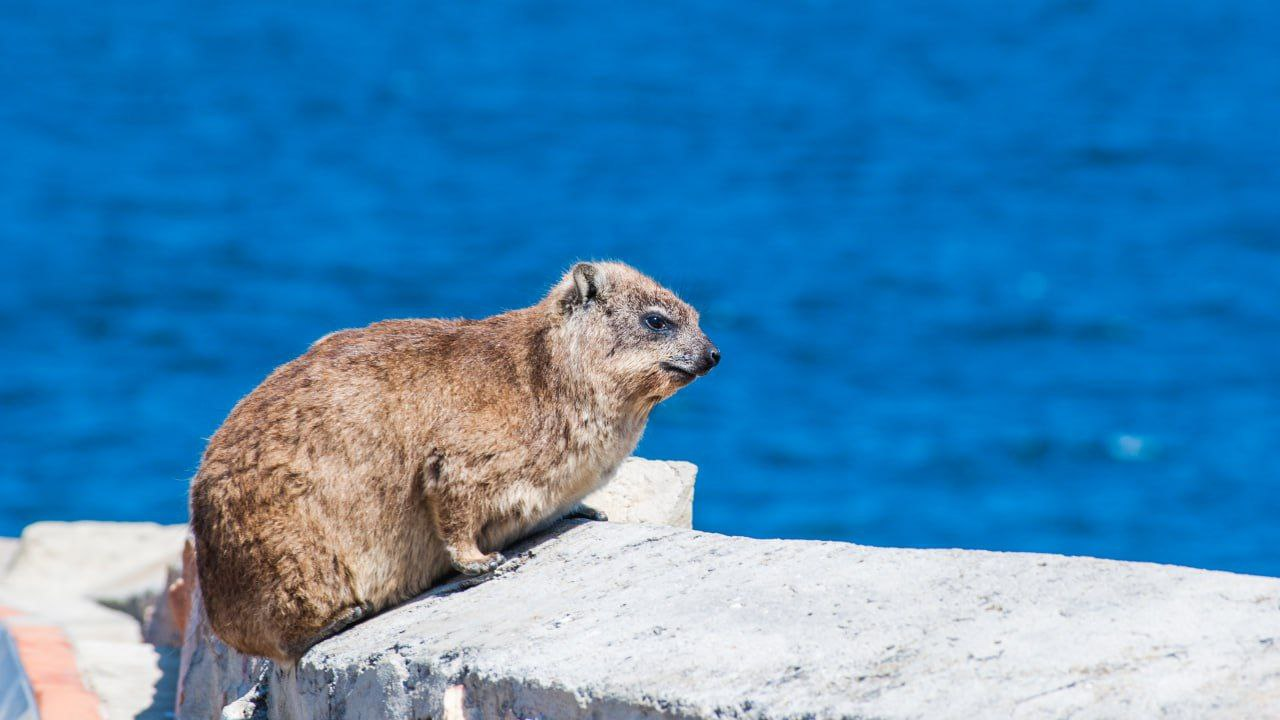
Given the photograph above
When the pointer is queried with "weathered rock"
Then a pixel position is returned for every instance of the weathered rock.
(605, 620)
(652, 492)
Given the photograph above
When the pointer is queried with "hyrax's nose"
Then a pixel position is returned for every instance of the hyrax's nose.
(711, 358)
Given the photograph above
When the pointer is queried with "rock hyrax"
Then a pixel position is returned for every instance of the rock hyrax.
(358, 474)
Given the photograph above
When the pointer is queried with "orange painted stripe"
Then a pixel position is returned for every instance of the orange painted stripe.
(49, 662)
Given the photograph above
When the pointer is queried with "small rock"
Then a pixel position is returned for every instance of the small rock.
(650, 492)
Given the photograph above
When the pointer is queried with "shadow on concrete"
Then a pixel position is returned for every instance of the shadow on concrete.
(166, 692)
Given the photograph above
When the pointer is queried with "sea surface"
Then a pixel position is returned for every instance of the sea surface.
(985, 275)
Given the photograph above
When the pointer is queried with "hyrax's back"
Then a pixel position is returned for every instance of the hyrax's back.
(304, 507)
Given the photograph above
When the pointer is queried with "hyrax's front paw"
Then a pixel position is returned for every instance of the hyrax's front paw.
(587, 513)
(479, 566)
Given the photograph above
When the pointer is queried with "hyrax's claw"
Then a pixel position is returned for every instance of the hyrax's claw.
(481, 566)
(588, 513)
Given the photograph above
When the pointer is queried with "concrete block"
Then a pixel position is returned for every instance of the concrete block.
(611, 620)
(604, 620)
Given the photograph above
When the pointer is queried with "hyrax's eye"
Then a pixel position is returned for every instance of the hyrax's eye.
(656, 322)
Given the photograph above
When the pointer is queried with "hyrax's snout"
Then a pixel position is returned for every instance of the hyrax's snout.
(695, 359)
(710, 358)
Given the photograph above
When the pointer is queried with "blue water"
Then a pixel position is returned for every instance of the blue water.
(987, 275)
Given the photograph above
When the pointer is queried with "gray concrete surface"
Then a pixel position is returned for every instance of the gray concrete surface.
(600, 620)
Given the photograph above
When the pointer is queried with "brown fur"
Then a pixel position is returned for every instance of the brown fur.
(358, 474)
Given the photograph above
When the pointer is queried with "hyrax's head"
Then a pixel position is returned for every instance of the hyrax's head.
(637, 334)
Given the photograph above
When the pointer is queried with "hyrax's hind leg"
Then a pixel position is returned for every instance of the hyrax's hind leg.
(459, 521)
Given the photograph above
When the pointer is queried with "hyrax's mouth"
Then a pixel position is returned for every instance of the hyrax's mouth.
(682, 374)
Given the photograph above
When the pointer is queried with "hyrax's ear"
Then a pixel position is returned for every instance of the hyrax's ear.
(586, 283)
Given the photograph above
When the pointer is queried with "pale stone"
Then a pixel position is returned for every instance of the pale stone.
(653, 492)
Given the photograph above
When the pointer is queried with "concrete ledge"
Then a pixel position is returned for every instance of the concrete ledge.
(40, 678)
(60, 585)
(603, 620)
